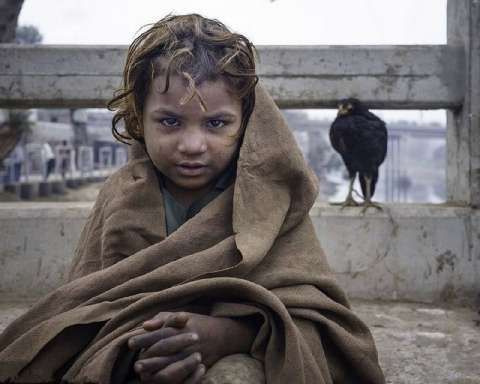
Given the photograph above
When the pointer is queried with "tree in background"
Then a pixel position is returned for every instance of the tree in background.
(9, 11)
(28, 34)
(16, 123)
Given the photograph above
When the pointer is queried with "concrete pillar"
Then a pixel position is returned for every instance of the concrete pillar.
(44, 189)
(73, 183)
(58, 187)
(13, 188)
(28, 191)
(463, 124)
(85, 161)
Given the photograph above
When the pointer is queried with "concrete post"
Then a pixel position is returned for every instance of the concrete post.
(463, 124)
(85, 160)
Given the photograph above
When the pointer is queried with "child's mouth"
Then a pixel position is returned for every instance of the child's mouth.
(191, 169)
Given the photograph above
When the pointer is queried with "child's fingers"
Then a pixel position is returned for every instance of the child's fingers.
(177, 372)
(153, 324)
(150, 338)
(160, 316)
(171, 345)
(177, 320)
(166, 319)
(197, 376)
(149, 366)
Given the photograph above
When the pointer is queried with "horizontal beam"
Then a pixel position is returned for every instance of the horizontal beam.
(387, 77)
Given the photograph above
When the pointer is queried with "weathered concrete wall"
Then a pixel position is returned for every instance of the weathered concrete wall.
(36, 245)
(419, 253)
(408, 252)
(296, 76)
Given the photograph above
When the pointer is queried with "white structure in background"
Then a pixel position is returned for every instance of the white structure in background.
(3, 115)
(34, 163)
(85, 160)
(13, 164)
(105, 157)
(65, 155)
(121, 157)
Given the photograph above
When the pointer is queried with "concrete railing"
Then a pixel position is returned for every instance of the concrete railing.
(296, 76)
(415, 252)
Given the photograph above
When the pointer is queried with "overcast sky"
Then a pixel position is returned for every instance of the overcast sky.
(325, 22)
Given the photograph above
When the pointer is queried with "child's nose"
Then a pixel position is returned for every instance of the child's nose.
(192, 143)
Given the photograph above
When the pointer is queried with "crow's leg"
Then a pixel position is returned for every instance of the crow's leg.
(349, 201)
(368, 199)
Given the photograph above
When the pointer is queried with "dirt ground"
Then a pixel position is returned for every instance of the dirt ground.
(417, 343)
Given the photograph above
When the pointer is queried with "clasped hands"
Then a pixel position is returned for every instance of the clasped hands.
(177, 347)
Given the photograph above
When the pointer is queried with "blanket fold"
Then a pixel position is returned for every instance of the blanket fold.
(252, 251)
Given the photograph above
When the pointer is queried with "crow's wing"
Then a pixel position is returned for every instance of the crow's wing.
(338, 134)
(372, 138)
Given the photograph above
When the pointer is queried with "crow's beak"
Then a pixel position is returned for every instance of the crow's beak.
(342, 110)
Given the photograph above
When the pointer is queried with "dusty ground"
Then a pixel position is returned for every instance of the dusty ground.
(417, 343)
(423, 343)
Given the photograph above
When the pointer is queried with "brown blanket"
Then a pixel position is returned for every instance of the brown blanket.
(252, 250)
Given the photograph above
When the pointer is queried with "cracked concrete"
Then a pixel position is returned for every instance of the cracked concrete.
(417, 343)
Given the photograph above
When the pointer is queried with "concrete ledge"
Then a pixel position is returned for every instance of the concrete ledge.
(428, 253)
(422, 253)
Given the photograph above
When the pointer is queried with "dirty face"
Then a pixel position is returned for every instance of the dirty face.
(191, 144)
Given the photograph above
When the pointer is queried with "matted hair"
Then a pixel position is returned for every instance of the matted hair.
(193, 47)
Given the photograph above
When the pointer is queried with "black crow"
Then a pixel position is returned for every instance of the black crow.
(361, 139)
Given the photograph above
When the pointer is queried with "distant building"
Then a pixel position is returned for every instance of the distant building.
(81, 127)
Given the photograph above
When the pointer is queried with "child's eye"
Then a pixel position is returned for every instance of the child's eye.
(216, 123)
(169, 122)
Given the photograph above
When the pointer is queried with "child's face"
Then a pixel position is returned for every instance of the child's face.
(191, 147)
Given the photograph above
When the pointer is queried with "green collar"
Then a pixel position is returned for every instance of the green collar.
(176, 214)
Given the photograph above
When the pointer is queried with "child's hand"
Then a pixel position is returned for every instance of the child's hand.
(180, 367)
(175, 343)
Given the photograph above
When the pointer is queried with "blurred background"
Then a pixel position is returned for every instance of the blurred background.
(65, 144)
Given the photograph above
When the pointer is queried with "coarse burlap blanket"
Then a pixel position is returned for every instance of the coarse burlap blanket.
(251, 251)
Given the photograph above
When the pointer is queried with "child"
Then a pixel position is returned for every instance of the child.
(199, 259)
